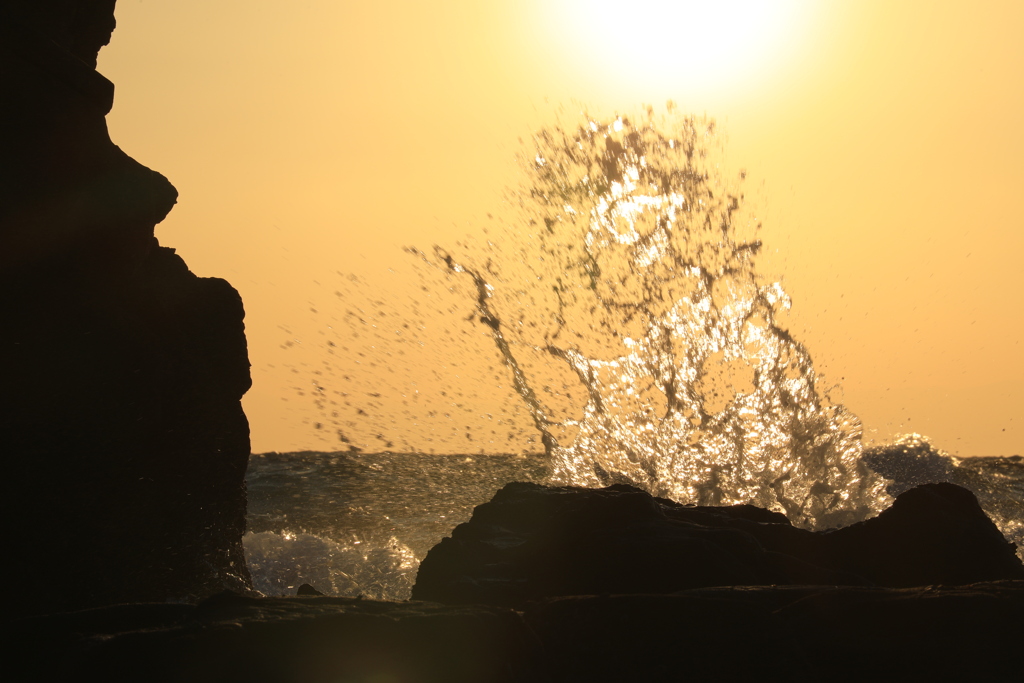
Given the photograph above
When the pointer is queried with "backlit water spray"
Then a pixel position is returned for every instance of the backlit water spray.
(639, 279)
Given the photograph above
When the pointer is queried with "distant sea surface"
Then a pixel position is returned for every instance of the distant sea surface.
(358, 524)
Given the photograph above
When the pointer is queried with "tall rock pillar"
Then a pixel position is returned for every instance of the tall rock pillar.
(123, 444)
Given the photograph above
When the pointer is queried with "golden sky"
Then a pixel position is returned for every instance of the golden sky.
(882, 140)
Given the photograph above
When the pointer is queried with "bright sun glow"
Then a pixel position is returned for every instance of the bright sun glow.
(682, 45)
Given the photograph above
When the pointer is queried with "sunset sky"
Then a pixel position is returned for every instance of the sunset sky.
(883, 142)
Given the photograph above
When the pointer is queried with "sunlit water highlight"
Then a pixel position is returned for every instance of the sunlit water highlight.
(640, 278)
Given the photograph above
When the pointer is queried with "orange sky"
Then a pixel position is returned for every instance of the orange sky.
(883, 144)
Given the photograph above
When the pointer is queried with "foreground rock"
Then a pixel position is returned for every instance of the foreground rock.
(252, 640)
(532, 542)
(717, 634)
(797, 633)
(121, 372)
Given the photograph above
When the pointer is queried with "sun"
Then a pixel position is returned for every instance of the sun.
(682, 46)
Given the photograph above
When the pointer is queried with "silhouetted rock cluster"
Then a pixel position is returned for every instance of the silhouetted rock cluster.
(124, 441)
(532, 541)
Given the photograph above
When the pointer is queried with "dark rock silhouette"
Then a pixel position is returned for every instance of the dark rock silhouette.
(932, 534)
(124, 441)
(532, 541)
(713, 634)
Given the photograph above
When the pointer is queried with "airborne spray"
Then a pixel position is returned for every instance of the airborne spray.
(657, 358)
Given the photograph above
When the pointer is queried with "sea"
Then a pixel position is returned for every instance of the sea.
(360, 523)
(619, 297)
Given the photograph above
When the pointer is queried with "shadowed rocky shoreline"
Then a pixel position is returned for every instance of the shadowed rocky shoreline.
(570, 584)
(718, 634)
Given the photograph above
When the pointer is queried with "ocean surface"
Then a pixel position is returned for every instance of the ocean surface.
(358, 524)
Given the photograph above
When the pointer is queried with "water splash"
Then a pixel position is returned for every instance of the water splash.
(281, 562)
(670, 369)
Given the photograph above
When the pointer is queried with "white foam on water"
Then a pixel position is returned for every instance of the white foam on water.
(281, 562)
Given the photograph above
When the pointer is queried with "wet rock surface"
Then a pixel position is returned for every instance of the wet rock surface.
(532, 541)
(714, 634)
(121, 372)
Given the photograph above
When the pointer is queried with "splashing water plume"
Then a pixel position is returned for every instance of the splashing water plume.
(635, 307)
